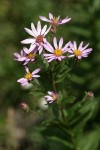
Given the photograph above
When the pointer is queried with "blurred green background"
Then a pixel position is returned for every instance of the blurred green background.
(16, 127)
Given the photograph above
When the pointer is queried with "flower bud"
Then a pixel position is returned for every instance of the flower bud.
(89, 94)
(24, 106)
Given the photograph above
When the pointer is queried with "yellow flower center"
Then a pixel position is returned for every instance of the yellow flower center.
(39, 39)
(58, 52)
(55, 20)
(28, 76)
(54, 97)
(31, 55)
(77, 52)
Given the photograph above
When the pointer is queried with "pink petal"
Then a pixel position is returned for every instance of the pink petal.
(22, 80)
(65, 20)
(79, 57)
(85, 47)
(50, 16)
(39, 27)
(40, 50)
(44, 29)
(27, 41)
(47, 31)
(80, 46)
(55, 42)
(71, 55)
(75, 45)
(29, 31)
(44, 18)
(59, 58)
(21, 58)
(46, 55)
(27, 69)
(50, 59)
(36, 71)
(61, 42)
(49, 92)
(87, 50)
(16, 55)
(48, 47)
(34, 30)
(35, 76)
(66, 46)
(25, 50)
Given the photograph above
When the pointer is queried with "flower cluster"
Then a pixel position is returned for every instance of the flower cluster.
(39, 45)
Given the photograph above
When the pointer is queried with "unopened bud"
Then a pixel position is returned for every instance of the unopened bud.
(53, 28)
(24, 106)
(89, 94)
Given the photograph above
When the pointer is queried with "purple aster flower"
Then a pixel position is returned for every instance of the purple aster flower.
(51, 97)
(26, 55)
(80, 51)
(56, 52)
(28, 76)
(55, 20)
(38, 36)
(20, 57)
(30, 55)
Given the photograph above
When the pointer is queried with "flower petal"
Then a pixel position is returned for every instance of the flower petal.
(22, 80)
(65, 20)
(36, 71)
(47, 31)
(48, 47)
(87, 50)
(44, 29)
(30, 32)
(27, 69)
(39, 27)
(85, 47)
(34, 30)
(44, 18)
(50, 16)
(16, 55)
(80, 46)
(35, 76)
(27, 41)
(66, 46)
(55, 42)
(60, 42)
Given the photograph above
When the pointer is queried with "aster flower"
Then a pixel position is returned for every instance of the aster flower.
(28, 76)
(38, 36)
(54, 21)
(80, 51)
(30, 55)
(26, 55)
(57, 51)
(51, 97)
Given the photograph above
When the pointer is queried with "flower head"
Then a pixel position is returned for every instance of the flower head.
(89, 94)
(26, 55)
(28, 76)
(80, 51)
(57, 51)
(38, 36)
(30, 55)
(51, 97)
(54, 21)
